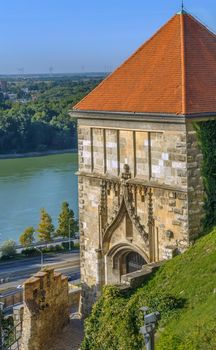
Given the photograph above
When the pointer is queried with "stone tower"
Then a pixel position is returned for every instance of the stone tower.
(140, 186)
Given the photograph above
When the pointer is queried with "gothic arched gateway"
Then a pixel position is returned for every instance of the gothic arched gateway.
(122, 259)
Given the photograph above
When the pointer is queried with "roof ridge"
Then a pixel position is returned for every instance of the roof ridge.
(183, 66)
(183, 54)
(203, 25)
(131, 56)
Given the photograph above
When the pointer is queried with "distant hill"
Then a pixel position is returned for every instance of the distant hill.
(183, 290)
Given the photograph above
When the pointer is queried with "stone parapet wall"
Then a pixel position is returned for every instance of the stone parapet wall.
(46, 309)
(135, 279)
(74, 296)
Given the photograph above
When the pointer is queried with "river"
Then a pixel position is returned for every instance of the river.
(28, 184)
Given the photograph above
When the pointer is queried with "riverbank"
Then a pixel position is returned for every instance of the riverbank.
(37, 154)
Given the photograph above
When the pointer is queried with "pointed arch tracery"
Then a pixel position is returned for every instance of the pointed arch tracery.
(124, 209)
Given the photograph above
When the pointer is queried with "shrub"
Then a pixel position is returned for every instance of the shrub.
(41, 148)
(66, 245)
(76, 245)
(59, 248)
(30, 252)
(8, 249)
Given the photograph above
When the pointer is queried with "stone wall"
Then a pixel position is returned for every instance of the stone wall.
(46, 309)
(74, 297)
(151, 210)
(196, 194)
(158, 154)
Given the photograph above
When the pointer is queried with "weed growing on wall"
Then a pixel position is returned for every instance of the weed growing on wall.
(206, 132)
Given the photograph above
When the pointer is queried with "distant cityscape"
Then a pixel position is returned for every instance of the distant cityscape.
(10, 91)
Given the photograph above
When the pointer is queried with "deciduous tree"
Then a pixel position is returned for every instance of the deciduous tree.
(45, 228)
(27, 237)
(66, 222)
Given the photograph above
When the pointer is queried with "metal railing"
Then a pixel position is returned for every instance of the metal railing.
(11, 338)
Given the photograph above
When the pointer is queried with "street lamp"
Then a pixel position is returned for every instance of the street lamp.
(149, 328)
(1, 328)
(42, 258)
(69, 236)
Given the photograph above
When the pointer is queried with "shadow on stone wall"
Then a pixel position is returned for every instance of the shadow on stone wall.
(46, 309)
(89, 296)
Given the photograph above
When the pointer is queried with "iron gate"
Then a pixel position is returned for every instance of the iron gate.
(134, 262)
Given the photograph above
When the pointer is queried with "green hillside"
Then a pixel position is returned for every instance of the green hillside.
(183, 290)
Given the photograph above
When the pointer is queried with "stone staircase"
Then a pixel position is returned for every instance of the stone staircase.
(135, 279)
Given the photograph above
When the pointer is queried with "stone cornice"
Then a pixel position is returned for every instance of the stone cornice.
(133, 181)
(153, 117)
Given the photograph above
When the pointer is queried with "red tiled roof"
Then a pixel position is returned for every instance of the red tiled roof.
(174, 72)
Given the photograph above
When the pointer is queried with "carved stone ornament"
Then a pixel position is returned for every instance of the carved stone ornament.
(126, 193)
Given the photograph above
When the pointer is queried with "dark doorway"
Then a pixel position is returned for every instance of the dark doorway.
(134, 262)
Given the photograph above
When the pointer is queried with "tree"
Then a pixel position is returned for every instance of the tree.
(66, 222)
(45, 228)
(27, 237)
(1, 97)
(8, 249)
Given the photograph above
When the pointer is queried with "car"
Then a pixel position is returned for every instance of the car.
(74, 277)
(20, 286)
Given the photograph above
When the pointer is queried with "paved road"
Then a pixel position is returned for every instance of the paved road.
(48, 258)
(19, 270)
(73, 272)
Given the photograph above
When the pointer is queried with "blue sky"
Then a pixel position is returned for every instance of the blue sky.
(82, 35)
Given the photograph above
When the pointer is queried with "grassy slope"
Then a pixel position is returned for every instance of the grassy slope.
(183, 290)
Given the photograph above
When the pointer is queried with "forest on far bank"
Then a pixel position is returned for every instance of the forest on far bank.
(34, 112)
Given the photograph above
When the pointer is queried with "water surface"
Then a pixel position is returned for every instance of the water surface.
(28, 184)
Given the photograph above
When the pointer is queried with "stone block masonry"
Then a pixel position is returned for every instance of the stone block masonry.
(46, 309)
(140, 191)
